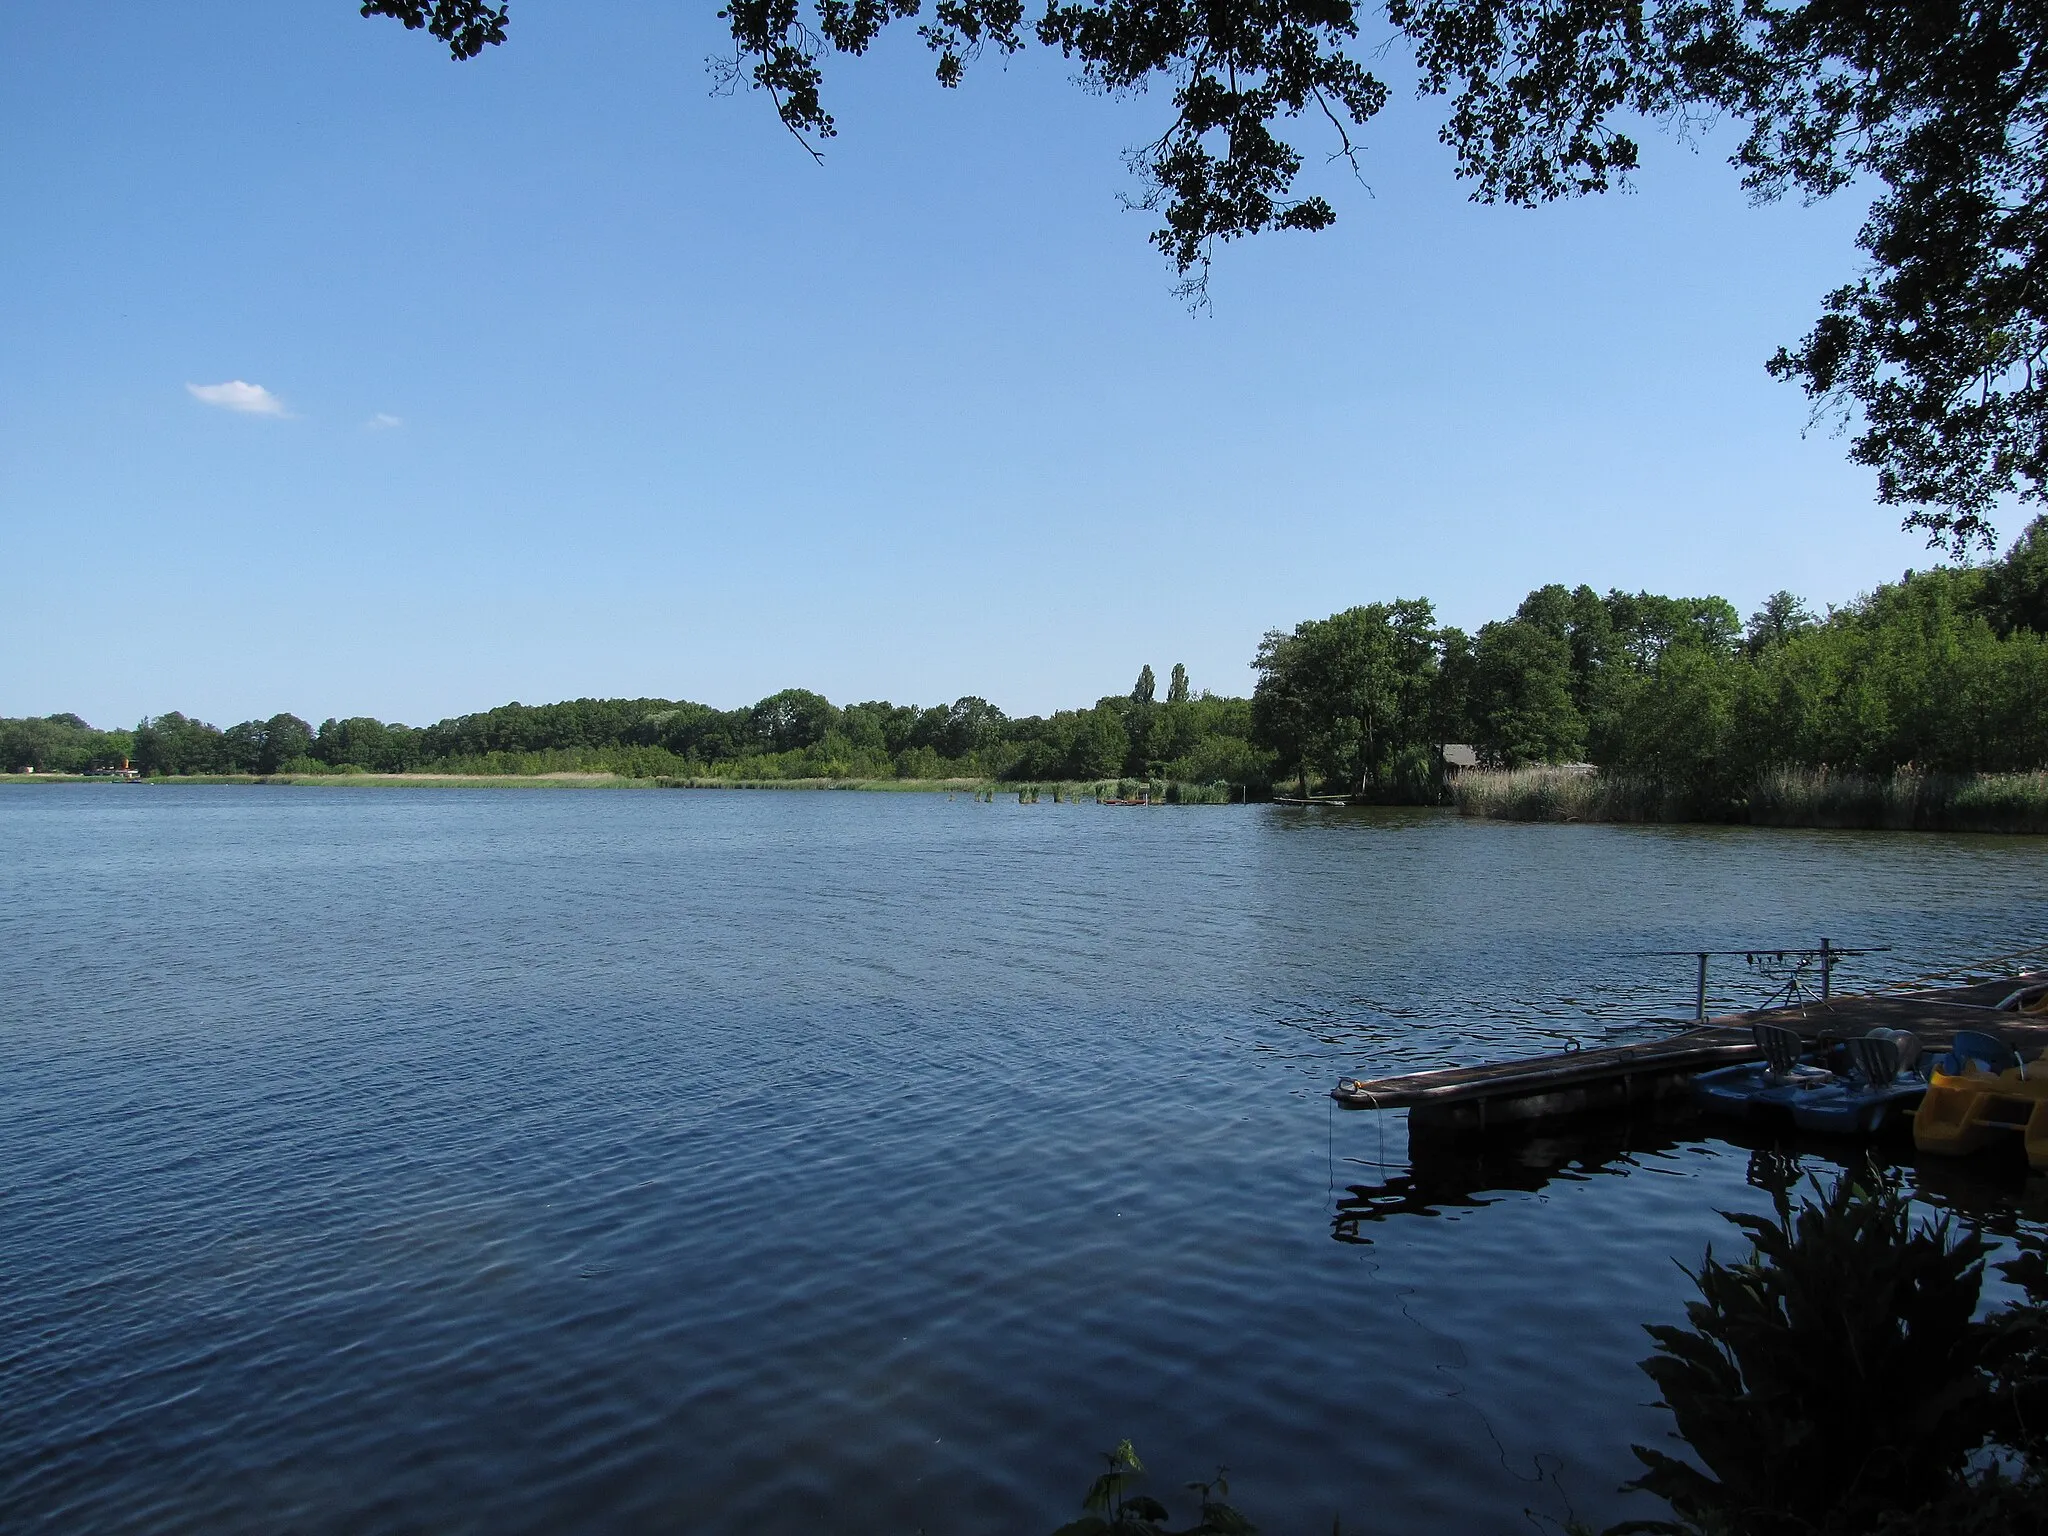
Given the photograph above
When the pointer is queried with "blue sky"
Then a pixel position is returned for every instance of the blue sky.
(584, 381)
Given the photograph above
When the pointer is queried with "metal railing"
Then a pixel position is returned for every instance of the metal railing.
(1828, 954)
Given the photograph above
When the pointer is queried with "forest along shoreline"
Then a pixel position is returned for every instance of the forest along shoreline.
(1922, 705)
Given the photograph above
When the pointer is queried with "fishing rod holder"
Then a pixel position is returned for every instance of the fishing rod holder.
(1827, 954)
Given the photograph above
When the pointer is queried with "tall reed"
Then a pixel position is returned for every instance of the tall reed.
(1782, 797)
(1547, 793)
(1904, 801)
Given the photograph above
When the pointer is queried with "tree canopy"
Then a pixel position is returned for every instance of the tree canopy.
(1941, 106)
(1349, 698)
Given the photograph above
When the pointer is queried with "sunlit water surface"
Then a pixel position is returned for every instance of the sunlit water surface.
(497, 1161)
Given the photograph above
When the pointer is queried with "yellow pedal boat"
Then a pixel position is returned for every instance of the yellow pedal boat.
(1980, 1094)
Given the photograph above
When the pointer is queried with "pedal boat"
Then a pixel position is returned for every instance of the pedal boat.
(2032, 998)
(1880, 1085)
(1981, 1095)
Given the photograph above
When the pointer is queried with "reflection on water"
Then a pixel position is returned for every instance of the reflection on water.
(1459, 1172)
(390, 1160)
(1995, 1191)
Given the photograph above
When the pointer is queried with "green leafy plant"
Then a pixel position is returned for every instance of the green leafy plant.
(1114, 1510)
(1833, 1378)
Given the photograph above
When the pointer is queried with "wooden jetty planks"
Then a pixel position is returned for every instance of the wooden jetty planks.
(1615, 1076)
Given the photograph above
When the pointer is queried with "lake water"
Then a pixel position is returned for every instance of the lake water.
(524, 1161)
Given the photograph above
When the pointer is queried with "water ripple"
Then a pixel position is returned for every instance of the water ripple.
(393, 1161)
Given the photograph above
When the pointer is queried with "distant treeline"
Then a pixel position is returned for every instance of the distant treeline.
(1944, 671)
(795, 734)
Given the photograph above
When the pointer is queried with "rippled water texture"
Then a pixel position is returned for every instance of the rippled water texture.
(499, 1161)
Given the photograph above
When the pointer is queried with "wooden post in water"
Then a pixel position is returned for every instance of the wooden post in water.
(1699, 1006)
(1827, 969)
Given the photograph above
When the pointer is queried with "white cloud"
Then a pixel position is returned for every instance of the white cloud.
(383, 421)
(250, 399)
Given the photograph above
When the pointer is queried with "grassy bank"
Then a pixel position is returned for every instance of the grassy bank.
(1785, 797)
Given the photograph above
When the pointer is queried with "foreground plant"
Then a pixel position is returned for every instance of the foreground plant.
(1835, 1382)
(1834, 1378)
(1113, 1510)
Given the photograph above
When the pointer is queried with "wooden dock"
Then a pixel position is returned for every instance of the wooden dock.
(1614, 1077)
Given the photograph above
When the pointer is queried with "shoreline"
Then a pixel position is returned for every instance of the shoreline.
(575, 780)
(1999, 805)
(562, 780)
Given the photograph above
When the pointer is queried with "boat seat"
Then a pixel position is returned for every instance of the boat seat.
(1781, 1047)
(1975, 1047)
(1907, 1042)
(1875, 1059)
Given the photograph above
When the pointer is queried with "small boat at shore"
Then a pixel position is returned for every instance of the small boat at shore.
(1869, 1082)
(2028, 999)
(1982, 1095)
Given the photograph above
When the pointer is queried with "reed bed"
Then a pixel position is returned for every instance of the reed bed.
(1096, 791)
(1548, 793)
(1906, 801)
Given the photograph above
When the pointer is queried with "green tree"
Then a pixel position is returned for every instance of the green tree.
(1229, 759)
(172, 744)
(60, 744)
(1100, 743)
(972, 726)
(1043, 748)
(1347, 695)
(1140, 714)
(1177, 686)
(285, 739)
(365, 743)
(2016, 588)
(1171, 732)
(791, 720)
(1781, 617)
(1209, 738)
(880, 725)
(1645, 625)
(1521, 696)
(1451, 702)
(1676, 729)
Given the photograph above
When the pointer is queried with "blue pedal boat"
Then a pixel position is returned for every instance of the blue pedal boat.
(1880, 1082)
